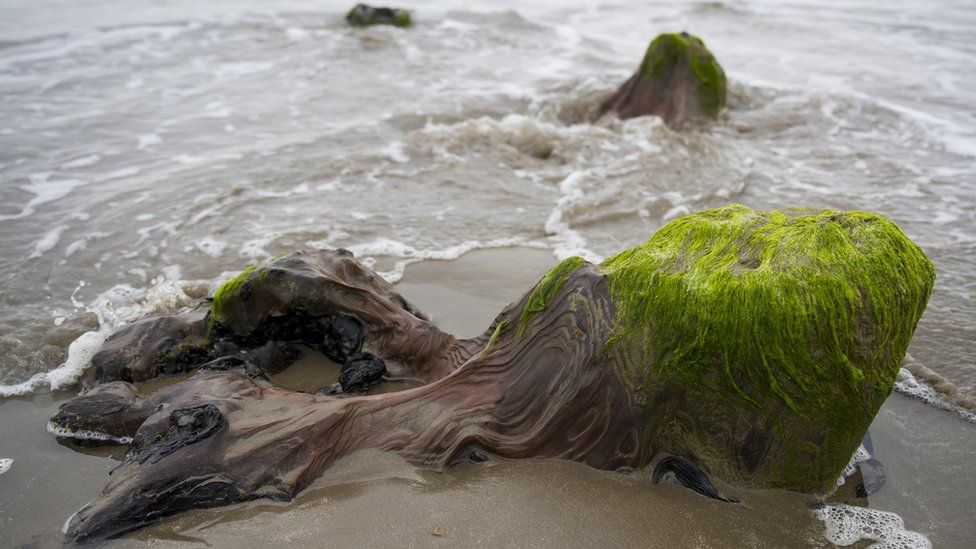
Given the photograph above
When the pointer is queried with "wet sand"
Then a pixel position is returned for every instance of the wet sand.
(377, 500)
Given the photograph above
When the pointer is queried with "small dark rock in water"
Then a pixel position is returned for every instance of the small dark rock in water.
(361, 372)
(334, 389)
(365, 16)
(679, 79)
(342, 337)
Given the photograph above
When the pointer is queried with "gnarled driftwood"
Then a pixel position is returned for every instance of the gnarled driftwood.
(602, 364)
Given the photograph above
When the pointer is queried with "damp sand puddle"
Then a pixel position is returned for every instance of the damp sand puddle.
(377, 500)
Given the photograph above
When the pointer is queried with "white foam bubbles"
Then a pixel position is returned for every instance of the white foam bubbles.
(81, 434)
(296, 34)
(82, 162)
(5, 464)
(114, 308)
(48, 241)
(80, 353)
(241, 68)
(211, 246)
(907, 384)
(676, 211)
(301, 188)
(512, 133)
(255, 249)
(861, 454)
(79, 357)
(568, 242)
(44, 191)
(847, 524)
(396, 152)
(117, 174)
(148, 140)
(188, 160)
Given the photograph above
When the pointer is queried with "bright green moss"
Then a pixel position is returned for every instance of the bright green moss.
(548, 287)
(402, 19)
(664, 52)
(226, 289)
(668, 51)
(495, 335)
(781, 302)
(233, 285)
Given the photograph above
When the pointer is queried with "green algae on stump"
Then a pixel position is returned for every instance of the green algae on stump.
(546, 289)
(364, 16)
(226, 290)
(786, 328)
(679, 79)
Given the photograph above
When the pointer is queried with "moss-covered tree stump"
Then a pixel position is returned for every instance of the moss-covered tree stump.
(678, 80)
(362, 15)
(785, 329)
(757, 346)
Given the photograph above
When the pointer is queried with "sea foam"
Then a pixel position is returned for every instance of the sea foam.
(568, 241)
(847, 525)
(81, 434)
(44, 191)
(861, 454)
(114, 308)
(79, 357)
(5, 464)
(934, 390)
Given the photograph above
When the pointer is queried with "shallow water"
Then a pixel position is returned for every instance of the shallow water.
(147, 150)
